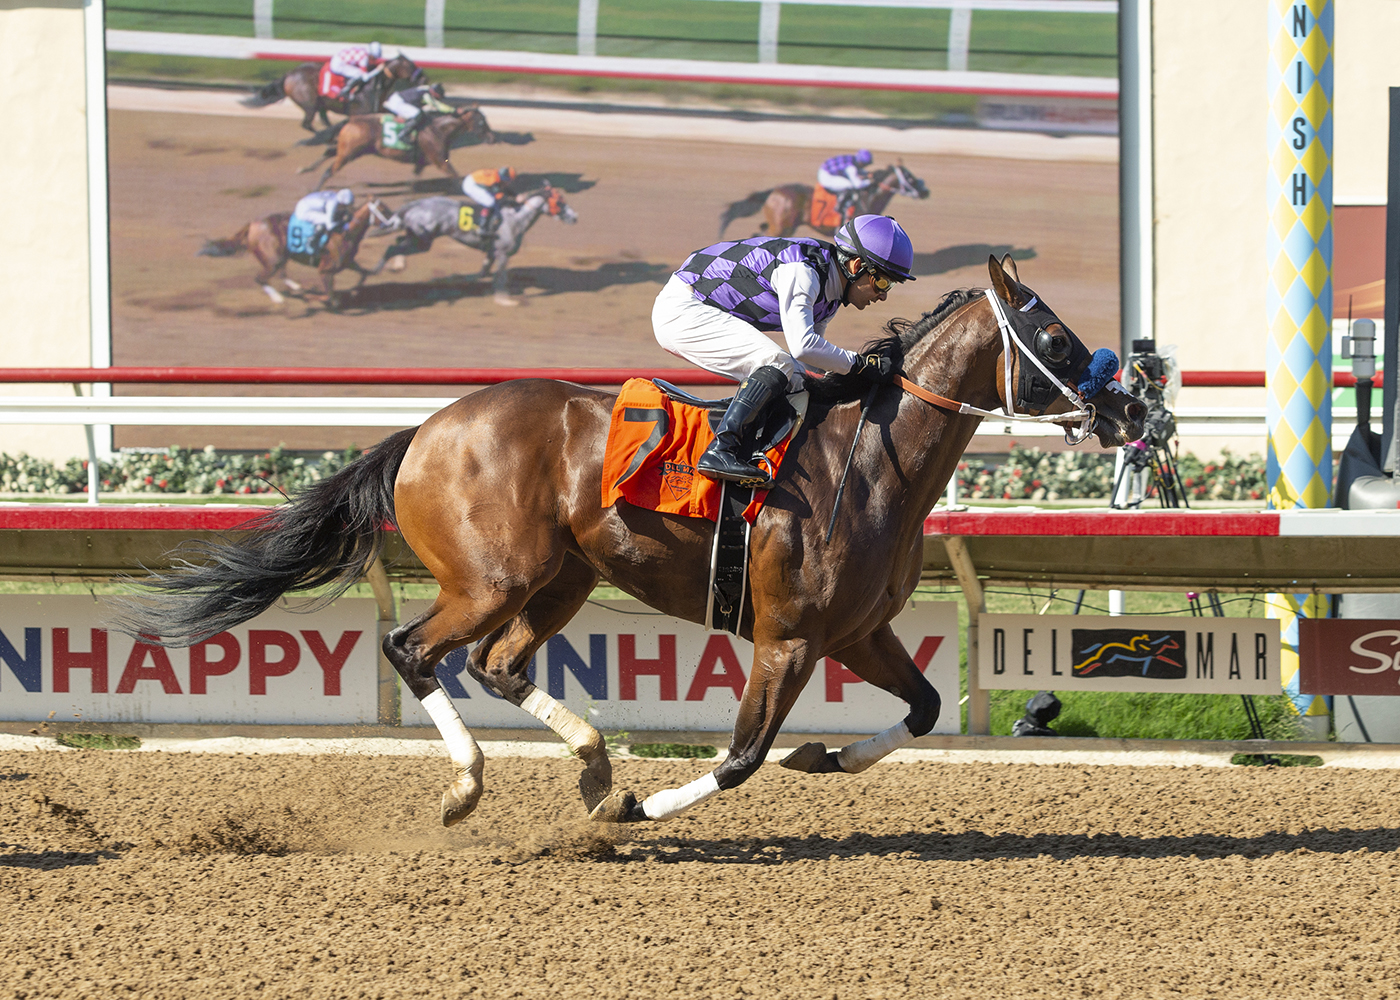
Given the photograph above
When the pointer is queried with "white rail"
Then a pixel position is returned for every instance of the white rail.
(787, 74)
(408, 411)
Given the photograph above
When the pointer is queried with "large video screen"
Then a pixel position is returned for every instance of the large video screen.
(619, 176)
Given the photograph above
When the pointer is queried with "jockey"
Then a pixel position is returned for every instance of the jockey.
(487, 187)
(358, 65)
(410, 104)
(715, 308)
(326, 210)
(844, 176)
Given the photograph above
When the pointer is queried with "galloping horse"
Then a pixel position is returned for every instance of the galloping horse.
(499, 495)
(787, 207)
(425, 220)
(432, 144)
(266, 238)
(301, 86)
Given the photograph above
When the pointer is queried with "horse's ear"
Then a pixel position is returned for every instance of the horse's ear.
(1005, 281)
(1009, 266)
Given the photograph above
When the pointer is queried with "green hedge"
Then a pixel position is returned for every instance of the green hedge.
(175, 470)
(1026, 474)
(1031, 474)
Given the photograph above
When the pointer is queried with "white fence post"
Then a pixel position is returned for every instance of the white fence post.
(434, 12)
(959, 35)
(588, 27)
(768, 12)
(262, 18)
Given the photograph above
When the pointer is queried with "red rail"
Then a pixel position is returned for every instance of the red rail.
(474, 376)
(355, 376)
(1340, 380)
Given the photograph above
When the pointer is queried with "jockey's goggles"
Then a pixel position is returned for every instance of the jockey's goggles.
(878, 278)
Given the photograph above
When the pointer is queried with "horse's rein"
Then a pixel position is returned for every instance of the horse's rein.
(1084, 411)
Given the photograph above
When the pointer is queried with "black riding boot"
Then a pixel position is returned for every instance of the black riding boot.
(721, 459)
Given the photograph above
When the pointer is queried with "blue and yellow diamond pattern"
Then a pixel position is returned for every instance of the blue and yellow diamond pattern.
(1298, 356)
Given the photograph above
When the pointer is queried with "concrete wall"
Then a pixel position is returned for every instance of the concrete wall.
(1210, 110)
(43, 174)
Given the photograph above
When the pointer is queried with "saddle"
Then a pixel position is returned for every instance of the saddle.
(306, 241)
(824, 212)
(329, 84)
(393, 133)
(656, 435)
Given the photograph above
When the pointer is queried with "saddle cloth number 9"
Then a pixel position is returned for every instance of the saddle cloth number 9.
(466, 218)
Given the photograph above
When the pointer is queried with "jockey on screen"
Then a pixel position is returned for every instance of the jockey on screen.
(410, 104)
(487, 187)
(844, 176)
(327, 210)
(713, 311)
(358, 65)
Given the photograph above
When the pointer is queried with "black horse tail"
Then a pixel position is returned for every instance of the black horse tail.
(236, 243)
(742, 209)
(326, 137)
(263, 96)
(323, 539)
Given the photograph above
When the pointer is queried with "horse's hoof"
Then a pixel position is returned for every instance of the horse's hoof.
(397, 264)
(505, 300)
(460, 799)
(593, 790)
(809, 758)
(620, 807)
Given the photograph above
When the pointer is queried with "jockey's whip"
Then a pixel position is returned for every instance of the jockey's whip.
(860, 425)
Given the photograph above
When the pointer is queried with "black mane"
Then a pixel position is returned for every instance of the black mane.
(901, 334)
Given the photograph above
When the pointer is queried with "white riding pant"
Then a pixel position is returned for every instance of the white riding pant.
(477, 193)
(397, 105)
(840, 182)
(349, 70)
(715, 340)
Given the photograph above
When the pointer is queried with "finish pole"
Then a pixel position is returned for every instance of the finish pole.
(1298, 359)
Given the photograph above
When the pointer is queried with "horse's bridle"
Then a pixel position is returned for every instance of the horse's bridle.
(1085, 411)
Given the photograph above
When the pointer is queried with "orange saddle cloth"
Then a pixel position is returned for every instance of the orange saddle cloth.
(654, 442)
(824, 214)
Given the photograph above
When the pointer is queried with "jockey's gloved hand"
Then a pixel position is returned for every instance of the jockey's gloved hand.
(875, 367)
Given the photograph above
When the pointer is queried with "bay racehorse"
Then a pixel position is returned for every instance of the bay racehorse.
(788, 206)
(432, 143)
(300, 85)
(266, 240)
(499, 494)
(421, 222)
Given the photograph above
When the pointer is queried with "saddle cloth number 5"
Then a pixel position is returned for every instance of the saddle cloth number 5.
(466, 218)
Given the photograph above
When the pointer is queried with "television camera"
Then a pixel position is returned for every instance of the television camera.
(1148, 465)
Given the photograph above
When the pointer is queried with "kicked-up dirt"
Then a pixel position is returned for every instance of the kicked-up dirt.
(155, 875)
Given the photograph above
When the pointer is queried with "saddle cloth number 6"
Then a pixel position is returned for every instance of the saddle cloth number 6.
(466, 218)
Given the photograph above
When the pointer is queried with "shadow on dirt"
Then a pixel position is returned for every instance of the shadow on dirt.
(965, 255)
(55, 860)
(328, 136)
(973, 846)
(400, 295)
(423, 186)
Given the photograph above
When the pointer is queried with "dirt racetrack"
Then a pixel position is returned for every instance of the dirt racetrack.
(586, 290)
(170, 876)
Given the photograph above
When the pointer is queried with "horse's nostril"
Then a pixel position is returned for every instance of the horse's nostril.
(1136, 411)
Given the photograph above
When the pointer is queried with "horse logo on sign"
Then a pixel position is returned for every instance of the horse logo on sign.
(1118, 652)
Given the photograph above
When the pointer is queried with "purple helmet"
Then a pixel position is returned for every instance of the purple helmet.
(863, 157)
(881, 241)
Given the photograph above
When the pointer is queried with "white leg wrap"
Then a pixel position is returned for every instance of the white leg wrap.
(858, 756)
(583, 739)
(461, 747)
(667, 803)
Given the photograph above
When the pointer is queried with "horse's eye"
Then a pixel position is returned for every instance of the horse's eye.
(1053, 347)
